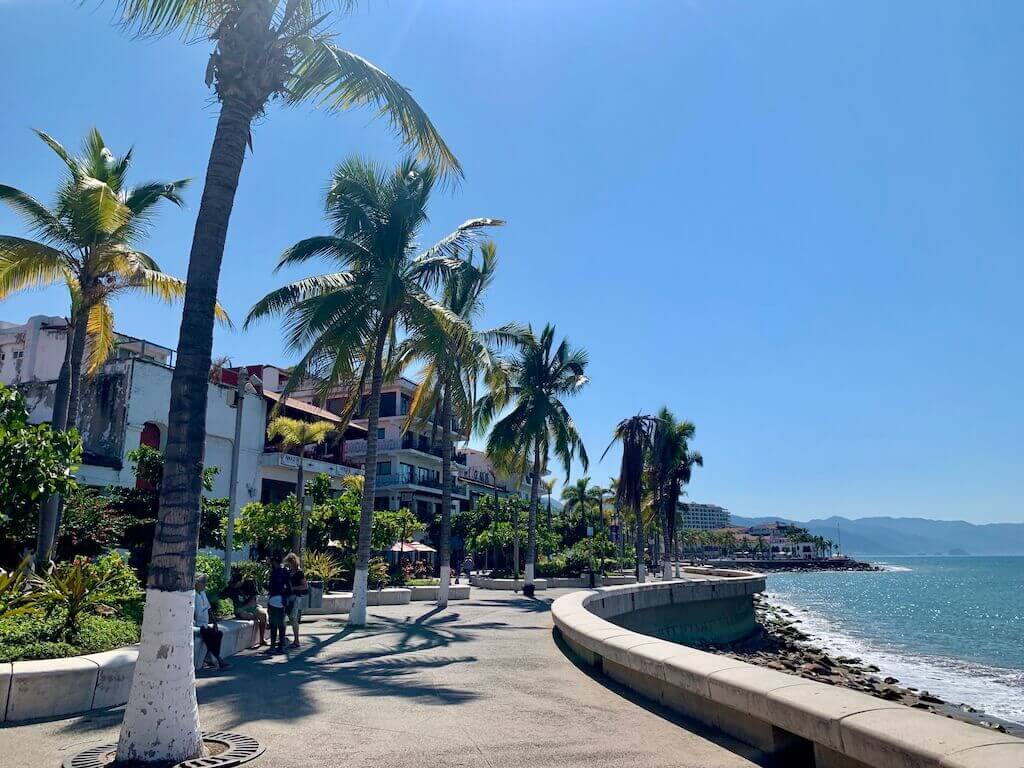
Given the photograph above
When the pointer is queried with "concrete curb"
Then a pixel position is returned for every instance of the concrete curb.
(800, 720)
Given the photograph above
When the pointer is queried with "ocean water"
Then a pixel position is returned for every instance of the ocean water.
(953, 626)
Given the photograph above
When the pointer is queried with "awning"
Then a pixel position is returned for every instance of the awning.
(411, 546)
(312, 410)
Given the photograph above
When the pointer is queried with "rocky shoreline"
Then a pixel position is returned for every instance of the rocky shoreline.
(797, 566)
(782, 645)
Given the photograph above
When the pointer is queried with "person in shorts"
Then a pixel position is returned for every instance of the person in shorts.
(278, 592)
(243, 593)
(299, 589)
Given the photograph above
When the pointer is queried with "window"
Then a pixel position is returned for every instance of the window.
(383, 468)
(380, 433)
(387, 404)
(18, 354)
(406, 401)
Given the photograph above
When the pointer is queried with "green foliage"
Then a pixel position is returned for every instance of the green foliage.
(268, 525)
(38, 636)
(149, 467)
(390, 526)
(377, 575)
(319, 488)
(35, 461)
(81, 587)
(12, 585)
(88, 525)
(321, 566)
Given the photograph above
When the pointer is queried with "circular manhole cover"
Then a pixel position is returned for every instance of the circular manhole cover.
(224, 750)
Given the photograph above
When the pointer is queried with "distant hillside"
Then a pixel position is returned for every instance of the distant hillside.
(911, 535)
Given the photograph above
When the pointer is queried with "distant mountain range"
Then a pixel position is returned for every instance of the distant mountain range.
(910, 535)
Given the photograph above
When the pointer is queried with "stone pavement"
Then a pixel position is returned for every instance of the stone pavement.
(482, 683)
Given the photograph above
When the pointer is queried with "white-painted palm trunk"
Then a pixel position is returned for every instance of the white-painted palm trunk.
(444, 579)
(679, 568)
(641, 573)
(161, 720)
(357, 614)
(528, 576)
(666, 569)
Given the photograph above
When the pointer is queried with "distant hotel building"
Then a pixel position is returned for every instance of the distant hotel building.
(704, 516)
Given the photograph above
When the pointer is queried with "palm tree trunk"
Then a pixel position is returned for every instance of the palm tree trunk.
(668, 536)
(161, 720)
(639, 545)
(531, 529)
(357, 615)
(299, 539)
(49, 513)
(75, 366)
(444, 553)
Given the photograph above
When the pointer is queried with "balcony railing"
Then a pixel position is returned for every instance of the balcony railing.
(406, 443)
(401, 478)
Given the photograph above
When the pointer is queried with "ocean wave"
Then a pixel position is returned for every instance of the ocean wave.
(998, 691)
(893, 568)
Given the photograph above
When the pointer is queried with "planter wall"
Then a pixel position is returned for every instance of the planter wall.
(59, 687)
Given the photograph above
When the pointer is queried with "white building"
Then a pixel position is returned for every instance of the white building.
(483, 479)
(703, 516)
(126, 405)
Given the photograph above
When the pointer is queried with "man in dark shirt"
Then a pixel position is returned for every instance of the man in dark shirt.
(243, 593)
(279, 590)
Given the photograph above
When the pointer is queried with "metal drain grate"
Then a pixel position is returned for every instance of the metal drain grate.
(237, 749)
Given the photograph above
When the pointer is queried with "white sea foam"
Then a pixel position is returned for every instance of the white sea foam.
(996, 690)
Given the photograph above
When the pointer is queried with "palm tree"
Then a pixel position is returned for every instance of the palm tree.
(342, 321)
(549, 489)
(296, 434)
(262, 51)
(579, 498)
(636, 435)
(454, 365)
(534, 382)
(89, 241)
(671, 468)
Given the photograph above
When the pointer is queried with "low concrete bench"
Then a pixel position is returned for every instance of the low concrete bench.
(455, 592)
(802, 721)
(57, 687)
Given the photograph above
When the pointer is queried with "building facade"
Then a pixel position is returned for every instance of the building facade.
(706, 517)
(126, 405)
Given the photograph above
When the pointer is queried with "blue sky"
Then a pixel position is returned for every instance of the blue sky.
(797, 224)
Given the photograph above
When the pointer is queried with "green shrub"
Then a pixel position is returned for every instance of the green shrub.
(377, 575)
(38, 636)
(321, 566)
(79, 588)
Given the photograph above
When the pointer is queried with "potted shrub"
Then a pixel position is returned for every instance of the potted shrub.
(320, 569)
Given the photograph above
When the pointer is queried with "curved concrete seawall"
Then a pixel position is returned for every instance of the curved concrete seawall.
(804, 723)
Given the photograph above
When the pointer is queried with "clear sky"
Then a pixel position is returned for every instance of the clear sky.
(798, 224)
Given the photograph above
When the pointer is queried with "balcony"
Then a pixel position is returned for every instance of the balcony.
(404, 478)
(313, 466)
(407, 442)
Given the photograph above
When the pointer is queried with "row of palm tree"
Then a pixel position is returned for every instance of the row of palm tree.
(657, 464)
(273, 51)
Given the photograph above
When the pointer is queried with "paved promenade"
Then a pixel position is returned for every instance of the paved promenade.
(481, 684)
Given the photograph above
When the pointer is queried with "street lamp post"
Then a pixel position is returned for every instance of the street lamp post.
(229, 535)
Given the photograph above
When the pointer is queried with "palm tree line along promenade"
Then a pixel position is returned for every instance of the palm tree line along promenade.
(387, 305)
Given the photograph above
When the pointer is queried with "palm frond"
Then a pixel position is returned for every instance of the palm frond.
(100, 330)
(26, 264)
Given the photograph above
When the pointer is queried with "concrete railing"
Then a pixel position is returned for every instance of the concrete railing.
(58, 687)
(801, 721)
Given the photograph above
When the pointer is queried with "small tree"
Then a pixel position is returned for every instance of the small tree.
(295, 435)
(35, 461)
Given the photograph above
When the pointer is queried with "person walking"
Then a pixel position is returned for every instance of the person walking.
(299, 589)
(278, 591)
(204, 618)
(468, 565)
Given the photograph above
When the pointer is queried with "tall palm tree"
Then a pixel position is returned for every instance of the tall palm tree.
(580, 498)
(549, 489)
(670, 468)
(295, 435)
(273, 50)
(454, 365)
(88, 240)
(636, 435)
(534, 382)
(342, 321)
